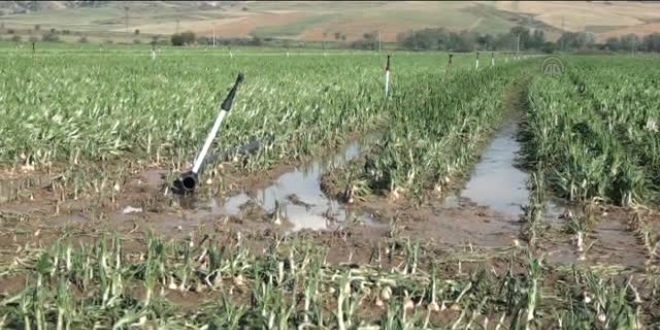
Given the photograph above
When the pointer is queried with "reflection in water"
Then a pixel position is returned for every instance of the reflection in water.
(496, 182)
(312, 208)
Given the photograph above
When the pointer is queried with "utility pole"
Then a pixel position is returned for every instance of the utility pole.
(563, 30)
(177, 26)
(126, 11)
(214, 35)
(379, 47)
(592, 38)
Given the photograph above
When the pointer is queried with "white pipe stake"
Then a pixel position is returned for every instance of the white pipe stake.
(387, 82)
(209, 139)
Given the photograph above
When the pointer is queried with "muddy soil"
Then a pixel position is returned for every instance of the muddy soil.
(288, 200)
(446, 227)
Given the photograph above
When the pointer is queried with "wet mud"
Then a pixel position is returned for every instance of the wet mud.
(287, 199)
(294, 200)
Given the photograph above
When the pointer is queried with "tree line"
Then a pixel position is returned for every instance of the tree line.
(439, 39)
(465, 41)
(518, 38)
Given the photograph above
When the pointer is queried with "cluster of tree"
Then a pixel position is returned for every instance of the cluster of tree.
(253, 41)
(522, 37)
(369, 41)
(576, 41)
(581, 41)
(50, 37)
(632, 42)
(183, 38)
(189, 38)
(467, 41)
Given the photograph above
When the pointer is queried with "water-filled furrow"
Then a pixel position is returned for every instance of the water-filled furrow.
(496, 181)
(301, 202)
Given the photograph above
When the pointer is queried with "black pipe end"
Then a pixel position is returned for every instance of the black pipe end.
(186, 183)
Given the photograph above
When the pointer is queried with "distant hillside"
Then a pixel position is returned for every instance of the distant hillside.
(325, 20)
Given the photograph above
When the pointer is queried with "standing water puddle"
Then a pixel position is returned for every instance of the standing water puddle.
(496, 182)
(312, 209)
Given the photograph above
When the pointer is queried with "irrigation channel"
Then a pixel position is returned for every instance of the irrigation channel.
(496, 183)
(297, 197)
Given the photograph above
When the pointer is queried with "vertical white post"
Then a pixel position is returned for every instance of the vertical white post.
(492, 59)
(387, 76)
(477, 63)
(153, 51)
(387, 82)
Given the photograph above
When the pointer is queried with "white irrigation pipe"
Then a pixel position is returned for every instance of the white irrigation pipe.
(188, 181)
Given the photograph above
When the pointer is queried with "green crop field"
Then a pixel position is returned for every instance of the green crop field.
(356, 210)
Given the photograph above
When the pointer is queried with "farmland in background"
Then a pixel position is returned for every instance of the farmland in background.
(322, 20)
